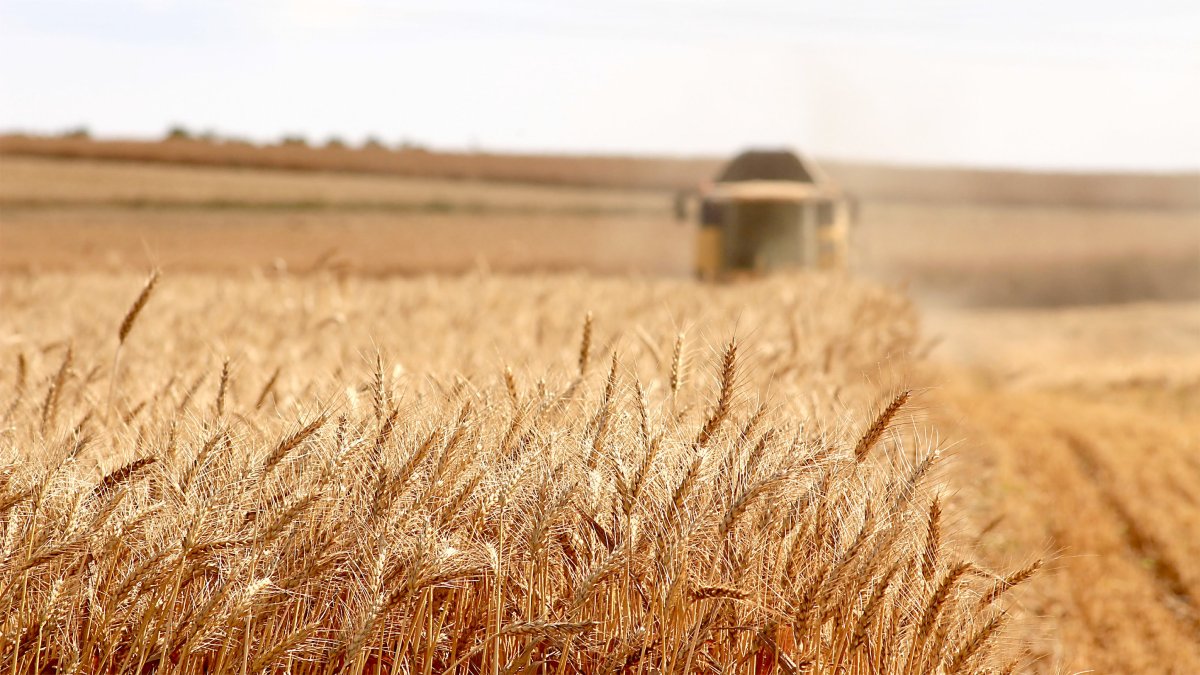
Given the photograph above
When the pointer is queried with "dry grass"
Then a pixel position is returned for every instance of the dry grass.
(313, 475)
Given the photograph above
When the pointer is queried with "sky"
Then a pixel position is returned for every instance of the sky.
(1030, 84)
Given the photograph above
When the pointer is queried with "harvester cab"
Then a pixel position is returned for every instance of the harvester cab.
(769, 210)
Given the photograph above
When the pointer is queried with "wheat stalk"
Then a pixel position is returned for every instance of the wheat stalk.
(122, 475)
(929, 556)
(972, 646)
(293, 441)
(937, 601)
(123, 331)
(222, 388)
(54, 393)
(718, 592)
(136, 308)
(874, 432)
(1015, 579)
(585, 345)
(677, 366)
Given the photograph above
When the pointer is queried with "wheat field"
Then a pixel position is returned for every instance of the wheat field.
(485, 474)
(162, 494)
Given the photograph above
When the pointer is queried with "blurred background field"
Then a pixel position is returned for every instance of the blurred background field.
(1034, 242)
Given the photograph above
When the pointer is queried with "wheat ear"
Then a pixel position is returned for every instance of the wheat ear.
(1014, 579)
(585, 344)
(933, 537)
(123, 333)
(873, 433)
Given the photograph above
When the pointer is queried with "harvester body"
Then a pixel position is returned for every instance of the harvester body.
(769, 210)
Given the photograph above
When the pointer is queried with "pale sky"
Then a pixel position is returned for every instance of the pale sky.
(1024, 83)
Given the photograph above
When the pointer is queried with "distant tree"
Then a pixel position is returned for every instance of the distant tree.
(335, 143)
(294, 139)
(77, 133)
(373, 143)
(178, 133)
(408, 145)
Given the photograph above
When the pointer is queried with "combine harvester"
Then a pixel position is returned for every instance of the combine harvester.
(768, 210)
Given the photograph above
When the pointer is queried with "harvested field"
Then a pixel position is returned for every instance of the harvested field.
(367, 242)
(612, 172)
(48, 183)
(1031, 255)
(109, 215)
(867, 181)
(1080, 436)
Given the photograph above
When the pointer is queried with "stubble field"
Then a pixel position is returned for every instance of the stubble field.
(300, 463)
